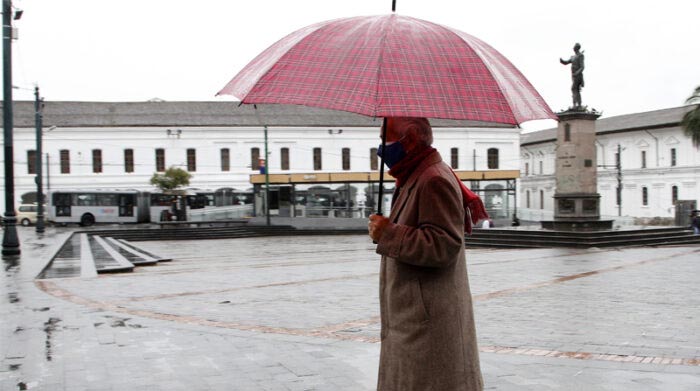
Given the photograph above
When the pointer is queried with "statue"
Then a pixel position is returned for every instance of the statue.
(576, 62)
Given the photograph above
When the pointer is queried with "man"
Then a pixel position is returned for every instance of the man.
(428, 338)
(576, 62)
(695, 222)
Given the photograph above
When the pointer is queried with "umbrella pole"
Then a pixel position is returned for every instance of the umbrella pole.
(381, 171)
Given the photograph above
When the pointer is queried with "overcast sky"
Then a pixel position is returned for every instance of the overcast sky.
(640, 55)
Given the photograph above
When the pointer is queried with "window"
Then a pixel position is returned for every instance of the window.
(346, 159)
(65, 161)
(284, 158)
(674, 194)
(128, 160)
(191, 159)
(673, 157)
(160, 159)
(527, 168)
(492, 155)
(527, 199)
(255, 159)
(97, 161)
(373, 159)
(225, 159)
(644, 159)
(645, 196)
(541, 199)
(318, 164)
(567, 132)
(454, 158)
(31, 162)
(541, 167)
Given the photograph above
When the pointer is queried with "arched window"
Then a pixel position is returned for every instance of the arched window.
(492, 158)
(191, 159)
(255, 158)
(527, 199)
(284, 157)
(674, 194)
(317, 159)
(541, 199)
(373, 159)
(346, 159)
(645, 196)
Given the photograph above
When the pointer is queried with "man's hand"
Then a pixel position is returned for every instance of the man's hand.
(376, 226)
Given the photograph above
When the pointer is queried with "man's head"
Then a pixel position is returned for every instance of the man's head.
(414, 133)
(577, 47)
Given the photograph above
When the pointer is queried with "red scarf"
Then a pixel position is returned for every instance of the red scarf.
(473, 205)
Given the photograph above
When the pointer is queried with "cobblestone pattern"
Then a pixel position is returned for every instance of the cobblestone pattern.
(300, 313)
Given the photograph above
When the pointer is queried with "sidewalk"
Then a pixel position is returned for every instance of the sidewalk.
(301, 313)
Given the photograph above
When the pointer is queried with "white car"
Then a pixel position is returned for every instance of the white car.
(26, 214)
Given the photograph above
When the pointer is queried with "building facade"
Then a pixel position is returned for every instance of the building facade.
(89, 145)
(659, 166)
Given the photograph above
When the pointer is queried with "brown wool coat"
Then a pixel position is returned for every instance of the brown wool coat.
(428, 339)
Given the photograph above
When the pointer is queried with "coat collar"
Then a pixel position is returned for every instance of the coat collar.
(405, 190)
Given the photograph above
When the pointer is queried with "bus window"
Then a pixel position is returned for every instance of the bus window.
(85, 200)
(126, 204)
(106, 199)
(62, 203)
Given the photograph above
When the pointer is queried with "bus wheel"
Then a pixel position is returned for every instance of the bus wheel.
(87, 220)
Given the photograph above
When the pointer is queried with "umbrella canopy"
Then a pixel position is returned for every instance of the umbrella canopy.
(390, 66)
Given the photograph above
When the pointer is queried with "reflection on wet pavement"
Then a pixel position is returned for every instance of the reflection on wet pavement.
(49, 329)
(66, 263)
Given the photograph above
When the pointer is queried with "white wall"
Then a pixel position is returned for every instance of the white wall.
(208, 143)
(659, 176)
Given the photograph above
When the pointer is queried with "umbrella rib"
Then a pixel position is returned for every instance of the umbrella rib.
(379, 62)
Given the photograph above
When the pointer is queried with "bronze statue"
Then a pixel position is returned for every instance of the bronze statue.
(576, 62)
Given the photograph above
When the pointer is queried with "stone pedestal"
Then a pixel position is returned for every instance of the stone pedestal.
(576, 199)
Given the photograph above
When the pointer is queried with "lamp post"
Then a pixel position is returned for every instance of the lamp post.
(267, 182)
(10, 241)
(38, 119)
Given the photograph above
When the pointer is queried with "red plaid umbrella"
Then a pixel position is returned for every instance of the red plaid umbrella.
(390, 66)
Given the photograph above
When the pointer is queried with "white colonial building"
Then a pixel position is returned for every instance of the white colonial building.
(659, 167)
(89, 145)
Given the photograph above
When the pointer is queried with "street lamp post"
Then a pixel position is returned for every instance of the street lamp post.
(10, 241)
(267, 182)
(38, 117)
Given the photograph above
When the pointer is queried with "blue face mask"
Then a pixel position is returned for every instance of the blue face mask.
(392, 154)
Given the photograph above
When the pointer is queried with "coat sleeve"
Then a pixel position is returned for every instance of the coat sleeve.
(437, 238)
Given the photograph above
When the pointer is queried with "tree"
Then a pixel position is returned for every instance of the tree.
(691, 120)
(171, 179)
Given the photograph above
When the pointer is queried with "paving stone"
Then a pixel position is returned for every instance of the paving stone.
(300, 313)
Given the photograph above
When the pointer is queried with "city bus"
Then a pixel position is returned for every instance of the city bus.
(161, 202)
(88, 207)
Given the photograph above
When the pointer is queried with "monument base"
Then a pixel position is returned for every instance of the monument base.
(573, 224)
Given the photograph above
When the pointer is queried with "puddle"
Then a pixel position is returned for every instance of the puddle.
(11, 265)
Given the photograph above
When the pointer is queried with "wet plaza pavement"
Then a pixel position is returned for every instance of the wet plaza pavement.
(301, 313)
